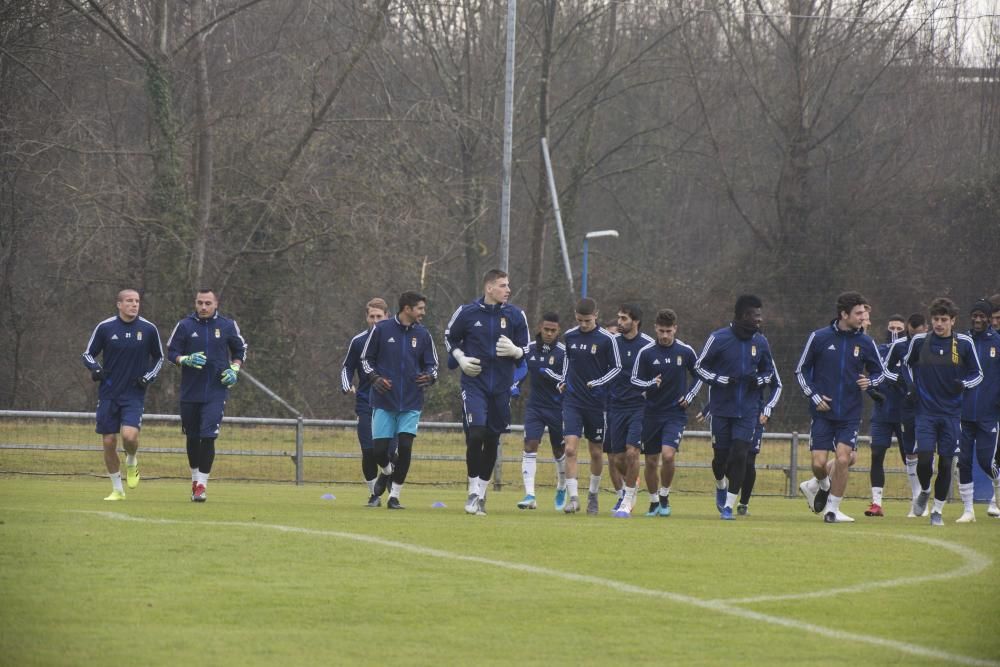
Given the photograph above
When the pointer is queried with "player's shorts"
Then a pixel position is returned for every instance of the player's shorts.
(908, 442)
(882, 433)
(662, 431)
(484, 409)
(727, 429)
(825, 434)
(536, 420)
(205, 419)
(113, 413)
(390, 423)
(583, 422)
(624, 428)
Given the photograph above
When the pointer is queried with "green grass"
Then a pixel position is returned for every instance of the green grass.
(219, 584)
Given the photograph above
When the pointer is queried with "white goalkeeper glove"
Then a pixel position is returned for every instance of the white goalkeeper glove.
(469, 365)
(506, 348)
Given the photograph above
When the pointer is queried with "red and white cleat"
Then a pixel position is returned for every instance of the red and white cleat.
(199, 494)
(874, 510)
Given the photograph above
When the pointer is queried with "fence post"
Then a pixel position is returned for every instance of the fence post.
(497, 467)
(793, 463)
(299, 450)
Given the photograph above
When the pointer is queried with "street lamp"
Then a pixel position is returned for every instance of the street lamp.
(586, 238)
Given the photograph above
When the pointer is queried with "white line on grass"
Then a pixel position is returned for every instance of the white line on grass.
(974, 563)
(629, 589)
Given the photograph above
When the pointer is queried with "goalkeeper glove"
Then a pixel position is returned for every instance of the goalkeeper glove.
(506, 348)
(195, 360)
(469, 365)
(142, 382)
(97, 374)
(381, 384)
(231, 375)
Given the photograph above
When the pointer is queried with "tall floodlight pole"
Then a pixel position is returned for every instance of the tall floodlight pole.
(554, 194)
(586, 239)
(508, 137)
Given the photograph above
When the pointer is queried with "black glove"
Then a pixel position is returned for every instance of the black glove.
(910, 399)
(877, 397)
(750, 380)
(381, 384)
(959, 386)
(97, 374)
(142, 382)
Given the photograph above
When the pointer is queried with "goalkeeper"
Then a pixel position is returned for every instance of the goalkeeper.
(487, 338)
(210, 350)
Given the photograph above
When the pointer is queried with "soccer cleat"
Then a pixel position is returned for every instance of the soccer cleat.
(472, 504)
(967, 517)
(481, 507)
(806, 491)
(726, 514)
(874, 510)
(910, 514)
(116, 495)
(374, 501)
(527, 503)
(743, 510)
(993, 509)
(393, 504)
(132, 476)
(194, 485)
(665, 509)
(572, 505)
(720, 499)
(592, 503)
(381, 484)
(837, 517)
(920, 504)
(654, 509)
(819, 503)
(560, 500)
(199, 495)
(937, 519)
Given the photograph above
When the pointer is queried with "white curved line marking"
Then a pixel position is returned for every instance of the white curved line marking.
(975, 563)
(629, 589)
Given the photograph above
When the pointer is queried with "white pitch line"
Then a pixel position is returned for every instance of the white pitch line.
(974, 563)
(628, 589)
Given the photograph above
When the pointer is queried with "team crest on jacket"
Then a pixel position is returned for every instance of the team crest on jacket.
(678, 360)
(993, 353)
(503, 322)
(753, 352)
(552, 360)
(413, 343)
(857, 350)
(593, 348)
(138, 335)
(218, 333)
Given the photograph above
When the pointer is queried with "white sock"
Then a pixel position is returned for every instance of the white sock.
(595, 483)
(561, 472)
(202, 478)
(116, 481)
(572, 488)
(194, 474)
(130, 459)
(996, 489)
(832, 504)
(654, 498)
(473, 485)
(628, 498)
(621, 492)
(664, 490)
(481, 486)
(877, 495)
(938, 506)
(371, 486)
(824, 483)
(722, 483)
(967, 491)
(529, 465)
(731, 499)
(387, 469)
(911, 474)
(394, 491)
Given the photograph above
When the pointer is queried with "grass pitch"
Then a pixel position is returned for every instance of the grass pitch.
(268, 573)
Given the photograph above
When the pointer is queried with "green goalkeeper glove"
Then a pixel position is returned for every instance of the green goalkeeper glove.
(231, 375)
(196, 360)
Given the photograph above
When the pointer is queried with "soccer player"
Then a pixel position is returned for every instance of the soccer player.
(211, 351)
(622, 442)
(591, 362)
(400, 362)
(736, 363)
(661, 371)
(915, 323)
(980, 412)
(544, 410)
(131, 353)
(886, 421)
(938, 368)
(838, 363)
(487, 338)
(376, 310)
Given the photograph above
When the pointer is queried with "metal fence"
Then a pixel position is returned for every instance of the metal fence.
(326, 451)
